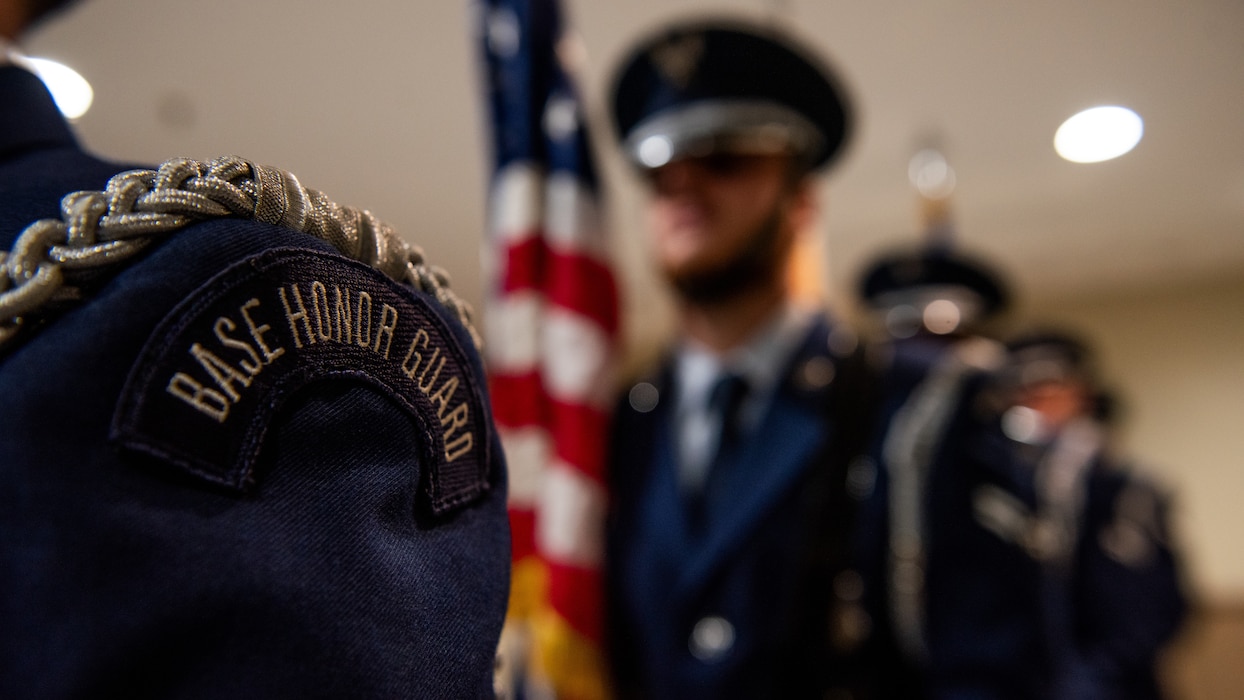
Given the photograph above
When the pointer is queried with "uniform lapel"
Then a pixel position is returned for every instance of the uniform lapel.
(653, 540)
(667, 507)
(770, 462)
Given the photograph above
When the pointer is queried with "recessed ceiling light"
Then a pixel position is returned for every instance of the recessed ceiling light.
(72, 93)
(1098, 134)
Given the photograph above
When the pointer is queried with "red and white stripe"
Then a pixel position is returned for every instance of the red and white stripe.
(551, 326)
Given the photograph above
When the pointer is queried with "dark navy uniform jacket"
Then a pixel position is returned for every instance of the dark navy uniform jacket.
(1121, 601)
(763, 562)
(1006, 618)
(962, 618)
(986, 625)
(150, 547)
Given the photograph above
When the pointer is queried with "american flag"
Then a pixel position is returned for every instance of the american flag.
(551, 322)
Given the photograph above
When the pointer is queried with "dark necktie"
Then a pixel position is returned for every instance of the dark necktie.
(723, 405)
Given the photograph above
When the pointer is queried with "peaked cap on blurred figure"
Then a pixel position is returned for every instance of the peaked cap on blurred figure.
(1050, 355)
(1057, 355)
(920, 276)
(909, 272)
(696, 88)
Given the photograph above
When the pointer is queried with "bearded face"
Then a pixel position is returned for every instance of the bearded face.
(757, 261)
(724, 224)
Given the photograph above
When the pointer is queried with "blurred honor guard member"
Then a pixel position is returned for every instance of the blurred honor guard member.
(1111, 593)
(934, 580)
(244, 442)
(727, 464)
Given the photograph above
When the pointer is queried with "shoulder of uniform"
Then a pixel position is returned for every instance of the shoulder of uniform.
(980, 353)
(1136, 476)
(105, 230)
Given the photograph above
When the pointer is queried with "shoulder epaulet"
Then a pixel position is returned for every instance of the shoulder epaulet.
(104, 230)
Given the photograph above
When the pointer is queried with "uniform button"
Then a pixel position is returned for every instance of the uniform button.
(644, 397)
(849, 586)
(816, 373)
(843, 341)
(861, 478)
(849, 627)
(711, 638)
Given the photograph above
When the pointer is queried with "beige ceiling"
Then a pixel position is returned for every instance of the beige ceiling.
(376, 103)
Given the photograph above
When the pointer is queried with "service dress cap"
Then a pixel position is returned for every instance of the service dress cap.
(907, 276)
(703, 87)
(1049, 355)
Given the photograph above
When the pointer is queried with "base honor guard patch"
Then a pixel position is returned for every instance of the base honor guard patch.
(216, 369)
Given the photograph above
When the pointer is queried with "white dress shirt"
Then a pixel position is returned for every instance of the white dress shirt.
(760, 362)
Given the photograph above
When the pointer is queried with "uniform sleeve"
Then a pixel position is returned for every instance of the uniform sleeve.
(1129, 586)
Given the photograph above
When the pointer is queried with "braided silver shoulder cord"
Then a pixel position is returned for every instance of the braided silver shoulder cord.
(909, 448)
(103, 230)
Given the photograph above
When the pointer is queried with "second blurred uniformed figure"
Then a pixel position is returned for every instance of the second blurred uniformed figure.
(728, 463)
(935, 584)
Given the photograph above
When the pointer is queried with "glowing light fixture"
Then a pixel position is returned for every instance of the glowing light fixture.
(1098, 134)
(72, 93)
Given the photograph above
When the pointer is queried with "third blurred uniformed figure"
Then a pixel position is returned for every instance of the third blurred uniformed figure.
(1111, 594)
(728, 463)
